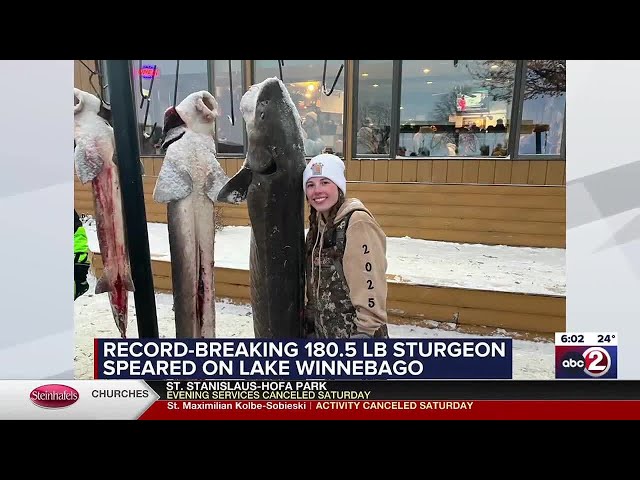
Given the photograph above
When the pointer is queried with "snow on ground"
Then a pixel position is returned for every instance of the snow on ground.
(485, 267)
(532, 359)
(424, 262)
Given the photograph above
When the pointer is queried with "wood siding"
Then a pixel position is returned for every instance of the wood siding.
(470, 171)
(468, 213)
(415, 304)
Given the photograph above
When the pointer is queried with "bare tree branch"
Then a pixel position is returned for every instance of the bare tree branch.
(545, 78)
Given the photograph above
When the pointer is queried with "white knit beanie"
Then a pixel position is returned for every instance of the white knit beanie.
(329, 166)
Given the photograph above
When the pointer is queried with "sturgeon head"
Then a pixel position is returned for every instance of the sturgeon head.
(196, 112)
(180, 172)
(199, 111)
(85, 102)
(274, 132)
(93, 136)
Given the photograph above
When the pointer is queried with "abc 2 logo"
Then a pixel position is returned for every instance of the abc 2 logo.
(586, 361)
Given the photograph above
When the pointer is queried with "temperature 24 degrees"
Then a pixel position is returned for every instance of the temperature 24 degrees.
(586, 338)
(606, 338)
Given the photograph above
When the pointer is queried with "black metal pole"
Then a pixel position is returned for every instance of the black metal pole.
(125, 129)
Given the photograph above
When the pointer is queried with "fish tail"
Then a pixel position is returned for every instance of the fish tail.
(119, 299)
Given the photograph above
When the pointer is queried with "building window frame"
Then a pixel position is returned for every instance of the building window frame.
(132, 77)
(396, 97)
(396, 72)
(251, 76)
(516, 109)
(517, 106)
(516, 121)
(211, 87)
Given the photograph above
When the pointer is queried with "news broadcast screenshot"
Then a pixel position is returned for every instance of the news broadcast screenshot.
(320, 240)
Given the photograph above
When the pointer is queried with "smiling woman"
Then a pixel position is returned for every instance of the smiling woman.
(346, 259)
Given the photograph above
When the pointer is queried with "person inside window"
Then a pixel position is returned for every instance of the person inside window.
(313, 142)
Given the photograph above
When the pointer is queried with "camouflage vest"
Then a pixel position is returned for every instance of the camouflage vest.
(332, 313)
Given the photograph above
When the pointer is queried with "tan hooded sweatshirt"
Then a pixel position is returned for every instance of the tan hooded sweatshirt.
(364, 265)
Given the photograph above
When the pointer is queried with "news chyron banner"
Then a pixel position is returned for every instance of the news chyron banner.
(208, 359)
(317, 400)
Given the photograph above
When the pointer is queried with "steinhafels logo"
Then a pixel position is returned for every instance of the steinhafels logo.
(54, 396)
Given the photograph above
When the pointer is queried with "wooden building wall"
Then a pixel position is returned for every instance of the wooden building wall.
(485, 172)
(471, 310)
(523, 215)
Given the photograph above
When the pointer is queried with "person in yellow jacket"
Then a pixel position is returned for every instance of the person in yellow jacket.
(346, 263)
(80, 257)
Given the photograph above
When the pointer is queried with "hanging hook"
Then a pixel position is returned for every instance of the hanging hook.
(99, 91)
(231, 94)
(103, 86)
(146, 97)
(280, 65)
(175, 87)
(324, 76)
(142, 95)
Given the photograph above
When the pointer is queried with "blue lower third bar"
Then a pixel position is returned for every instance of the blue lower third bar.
(371, 359)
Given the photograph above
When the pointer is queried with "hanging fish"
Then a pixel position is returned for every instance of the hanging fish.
(270, 181)
(188, 182)
(95, 162)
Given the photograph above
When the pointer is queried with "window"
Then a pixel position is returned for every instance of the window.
(373, 118)
(229, 125)
(322, 115)
(455, 108)
(543, 109)
(192, 76)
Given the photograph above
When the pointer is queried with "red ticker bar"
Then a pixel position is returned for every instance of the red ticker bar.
(394, 410)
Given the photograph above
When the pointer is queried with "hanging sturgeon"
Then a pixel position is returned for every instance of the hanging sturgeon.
(189, 180)
(95, 161)
(270, 180)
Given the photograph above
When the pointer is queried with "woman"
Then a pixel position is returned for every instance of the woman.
(345, 258)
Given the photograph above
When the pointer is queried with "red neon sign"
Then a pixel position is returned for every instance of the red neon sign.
(147, 71)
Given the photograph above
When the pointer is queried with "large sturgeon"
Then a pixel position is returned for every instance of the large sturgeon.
(95, 162)
(188, 182)
(271, 182)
